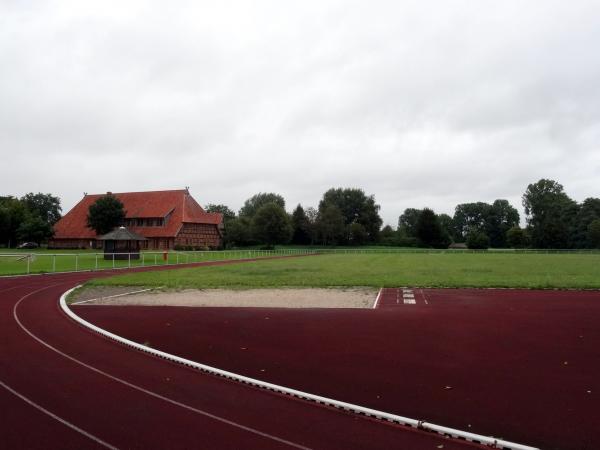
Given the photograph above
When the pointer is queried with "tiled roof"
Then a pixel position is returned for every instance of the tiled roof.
(179, 203)
(121, 234)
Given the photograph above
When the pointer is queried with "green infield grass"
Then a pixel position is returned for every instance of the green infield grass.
(580, 271)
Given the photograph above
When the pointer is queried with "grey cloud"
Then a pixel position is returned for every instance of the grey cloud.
(420, 103)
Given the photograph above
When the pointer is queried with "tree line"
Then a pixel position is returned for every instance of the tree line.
(28, 219)
(350, 217)
(554, 221)
(345, 216)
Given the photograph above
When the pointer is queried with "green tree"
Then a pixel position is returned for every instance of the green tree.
(301, 226)
(477, 239)
(271, 225)
(45, 206)
(105, 214)
(388, 236)
(501, 217)
(468, 217)
(517, 237)
(12, 214)
(589, 211)
(228, 214)
(355, 207)
(330, 225)
(550, 214)
(312, 215)
(407, 222)
(594, 233)
(237, 232)
(447, 224)
(429, 230)
(34, 229)
(357, 234)
(254, 203)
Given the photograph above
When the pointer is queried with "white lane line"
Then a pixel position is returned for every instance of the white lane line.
(41, 408)
(378, 298)
(57, 418)
(424, 297)
(111, 296)
(141, 389)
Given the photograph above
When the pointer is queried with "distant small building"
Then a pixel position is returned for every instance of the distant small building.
(121, 243)
(458, 246)
(164, 218)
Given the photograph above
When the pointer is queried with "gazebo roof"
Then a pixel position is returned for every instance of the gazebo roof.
(122, 234)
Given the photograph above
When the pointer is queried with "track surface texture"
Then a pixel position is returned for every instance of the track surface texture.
(63, 387)
(517, 364)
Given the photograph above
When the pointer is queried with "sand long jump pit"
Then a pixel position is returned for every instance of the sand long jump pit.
(251, 298)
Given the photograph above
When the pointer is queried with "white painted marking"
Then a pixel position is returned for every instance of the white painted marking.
(409, 301)
(55, 417)
(277, 388)
(63, 305)
(424, 296)
(377, 299)
(44, 410)
(112, 296)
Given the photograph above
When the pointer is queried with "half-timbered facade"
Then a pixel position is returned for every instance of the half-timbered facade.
(165, 218)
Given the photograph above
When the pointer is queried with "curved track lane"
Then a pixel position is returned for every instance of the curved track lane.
(64, 387)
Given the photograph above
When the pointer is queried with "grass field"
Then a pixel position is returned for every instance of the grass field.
(545, 271)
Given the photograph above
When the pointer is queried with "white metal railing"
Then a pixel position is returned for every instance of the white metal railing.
(384, 416)
(28, 263)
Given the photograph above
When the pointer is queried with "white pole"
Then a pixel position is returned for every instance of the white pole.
(113, 260)
(76, 263)
(28, 259)
(53, 263)
(96, 265)
(129, 260)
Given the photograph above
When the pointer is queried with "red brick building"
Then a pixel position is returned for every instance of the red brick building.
(166, 218)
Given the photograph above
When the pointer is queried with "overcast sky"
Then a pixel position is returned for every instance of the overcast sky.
(421, 103)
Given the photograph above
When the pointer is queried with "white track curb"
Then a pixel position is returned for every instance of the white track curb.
(445, 431)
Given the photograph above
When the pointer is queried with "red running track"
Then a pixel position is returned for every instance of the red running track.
(522, 365)
(63, 387)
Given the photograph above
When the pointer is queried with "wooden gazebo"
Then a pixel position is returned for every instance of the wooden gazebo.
(121, 243)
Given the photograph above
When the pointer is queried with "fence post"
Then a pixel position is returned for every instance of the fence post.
(76, 262)
(28, 260)
(143, 262)
(96, 265)
(53, 263)
(177, 259)
(155, 256)
(129, 260)
(113, 260)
